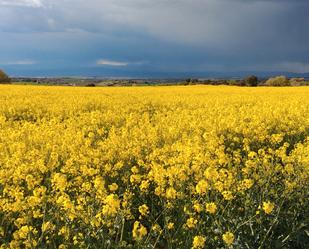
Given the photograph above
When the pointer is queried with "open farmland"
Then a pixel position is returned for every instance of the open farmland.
(154, 167)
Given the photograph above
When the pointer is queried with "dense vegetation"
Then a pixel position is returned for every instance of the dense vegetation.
(154, 167)
(4, 78)
(250, 81)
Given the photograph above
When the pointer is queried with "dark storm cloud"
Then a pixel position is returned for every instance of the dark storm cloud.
(166, 35)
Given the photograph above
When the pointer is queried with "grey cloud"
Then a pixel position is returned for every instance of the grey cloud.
(22, 3)
(106, 62)
(196, 22)
(22, 62)
(218, 33)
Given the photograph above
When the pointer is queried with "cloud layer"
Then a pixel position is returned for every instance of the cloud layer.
(171, 35)
(22, 3)
(112, 63)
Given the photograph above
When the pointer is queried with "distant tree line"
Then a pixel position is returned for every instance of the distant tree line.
(251, 81)
(4, 78)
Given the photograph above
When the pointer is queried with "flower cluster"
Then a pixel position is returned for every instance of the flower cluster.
(153, 167)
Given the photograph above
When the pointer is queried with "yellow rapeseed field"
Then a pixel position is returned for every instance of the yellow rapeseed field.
(154, 167)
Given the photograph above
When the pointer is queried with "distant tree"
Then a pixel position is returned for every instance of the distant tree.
(206, 82)
(192, 81)
(278, 81)
(251, 80)
(297, 81)
(90, 85)
(4, 78)
(232, 83)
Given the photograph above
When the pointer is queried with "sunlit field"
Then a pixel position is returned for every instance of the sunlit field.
(154, 167)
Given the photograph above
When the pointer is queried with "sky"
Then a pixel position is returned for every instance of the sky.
(153, 38)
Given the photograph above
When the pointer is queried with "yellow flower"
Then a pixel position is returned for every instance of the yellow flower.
(113, 187)
(228, 238)
(144, 186)
(80, 157)
(156, 228)
(135, 179)
(112, 205)
(64, 231)
(198, 242)
(139, 231)
(227, 195)
(134, 170)
(171, 193)
(211, 173)
(170, 225)
(277, 138)
(144, 210)
(197, 207)
(211, 207)
(246, 183)
(59, 181)
(289, 169)
(23, 232)
(191, 222)
(268, 207)
(201, 187)
(47, 226)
